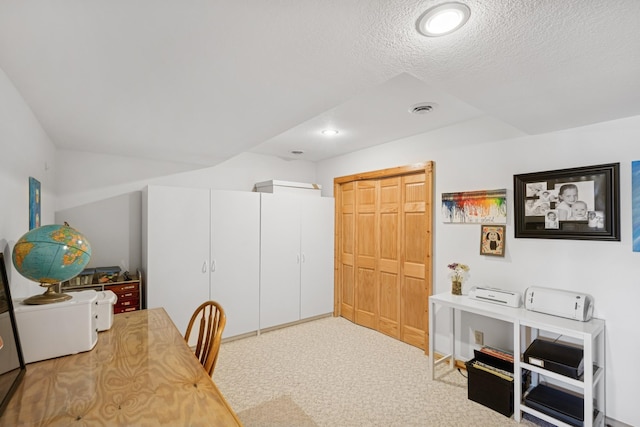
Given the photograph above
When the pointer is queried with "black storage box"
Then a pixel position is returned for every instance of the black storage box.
(489, 389)
(556, 357)
(557, 403)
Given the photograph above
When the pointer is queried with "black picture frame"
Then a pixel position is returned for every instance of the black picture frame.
(579, 203)
(12, 366)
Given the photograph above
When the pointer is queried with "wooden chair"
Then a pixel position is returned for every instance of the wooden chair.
(212, 320)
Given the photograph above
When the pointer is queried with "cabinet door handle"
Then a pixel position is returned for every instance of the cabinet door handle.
(297, 258)
(213, 265)
(204, 267)
(303, 258)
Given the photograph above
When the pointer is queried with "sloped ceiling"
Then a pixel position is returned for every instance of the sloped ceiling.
(199, 81)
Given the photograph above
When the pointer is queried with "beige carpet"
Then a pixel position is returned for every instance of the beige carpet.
(279, 412)
(332, 372)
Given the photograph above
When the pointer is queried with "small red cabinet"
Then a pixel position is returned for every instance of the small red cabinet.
(128, 292)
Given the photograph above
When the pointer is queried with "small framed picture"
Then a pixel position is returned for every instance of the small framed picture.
(492, 240)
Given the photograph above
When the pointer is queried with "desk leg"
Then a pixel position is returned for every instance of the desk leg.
(432, 329)
(452, 339)
(452, 336)
(517, 373)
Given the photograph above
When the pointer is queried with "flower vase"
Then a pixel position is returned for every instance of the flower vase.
(456, 287)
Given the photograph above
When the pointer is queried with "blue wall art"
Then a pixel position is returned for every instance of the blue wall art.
(635, 203)
(34, 203)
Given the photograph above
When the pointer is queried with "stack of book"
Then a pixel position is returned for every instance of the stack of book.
(496, 352)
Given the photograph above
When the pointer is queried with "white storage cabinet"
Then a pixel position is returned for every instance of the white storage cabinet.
(296, 271)
(202, 244)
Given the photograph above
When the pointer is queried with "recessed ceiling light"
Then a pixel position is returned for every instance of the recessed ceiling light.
(443, 19)
(330, 132)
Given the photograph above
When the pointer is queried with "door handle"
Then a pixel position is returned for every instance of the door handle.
(204, 267)
(213, 265)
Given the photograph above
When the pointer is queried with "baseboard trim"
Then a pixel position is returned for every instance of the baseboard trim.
(610, 422)
(297, 322)
(274, 328)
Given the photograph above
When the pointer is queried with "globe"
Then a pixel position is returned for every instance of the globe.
(49, 255)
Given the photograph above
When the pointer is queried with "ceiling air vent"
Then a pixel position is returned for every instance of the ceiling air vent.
(422, 108)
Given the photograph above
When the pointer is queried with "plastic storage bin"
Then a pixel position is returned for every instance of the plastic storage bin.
(105, 302)
(556, 357)
(53, 330)
(491, 389)
(288, 187)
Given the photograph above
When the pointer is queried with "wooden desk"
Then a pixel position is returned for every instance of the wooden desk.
(141, 373)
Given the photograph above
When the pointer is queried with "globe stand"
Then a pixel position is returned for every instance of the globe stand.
(48, 297)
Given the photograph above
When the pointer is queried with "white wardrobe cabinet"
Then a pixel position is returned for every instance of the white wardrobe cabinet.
(235, 258)
(175, 235)
(296, 246)
(201, 244)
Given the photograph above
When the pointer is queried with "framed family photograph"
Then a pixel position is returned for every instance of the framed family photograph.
(578, 203)
(492, 239)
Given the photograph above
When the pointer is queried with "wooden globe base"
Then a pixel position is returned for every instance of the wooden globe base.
(48, 297)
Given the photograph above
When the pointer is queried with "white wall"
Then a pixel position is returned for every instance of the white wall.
(609, 271)
(111, 176)
(25, 149)
(105, 206)
(114, 227)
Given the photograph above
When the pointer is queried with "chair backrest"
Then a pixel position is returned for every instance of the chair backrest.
(210, 319)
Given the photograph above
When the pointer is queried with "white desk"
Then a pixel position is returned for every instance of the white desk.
(590, 333)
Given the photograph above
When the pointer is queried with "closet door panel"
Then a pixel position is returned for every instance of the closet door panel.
(235, 258)
(388, 208)
(366, 308)
(414, 283)
(280, 260)
(345, 248)
(177, 247)
(317, 273)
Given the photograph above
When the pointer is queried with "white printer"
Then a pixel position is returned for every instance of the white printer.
(558, 302)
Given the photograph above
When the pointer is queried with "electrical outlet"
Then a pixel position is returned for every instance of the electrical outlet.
(479, 336)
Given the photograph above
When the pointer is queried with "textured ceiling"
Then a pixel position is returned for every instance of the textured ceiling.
(199, 81)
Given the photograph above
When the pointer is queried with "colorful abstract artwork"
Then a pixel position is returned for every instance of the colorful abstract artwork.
(635, 204)
(34, 203)
(475, 207)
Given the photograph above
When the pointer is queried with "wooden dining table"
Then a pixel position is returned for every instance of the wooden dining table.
(140, 373)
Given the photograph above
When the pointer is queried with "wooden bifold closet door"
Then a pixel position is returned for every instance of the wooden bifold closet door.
(383, 250)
